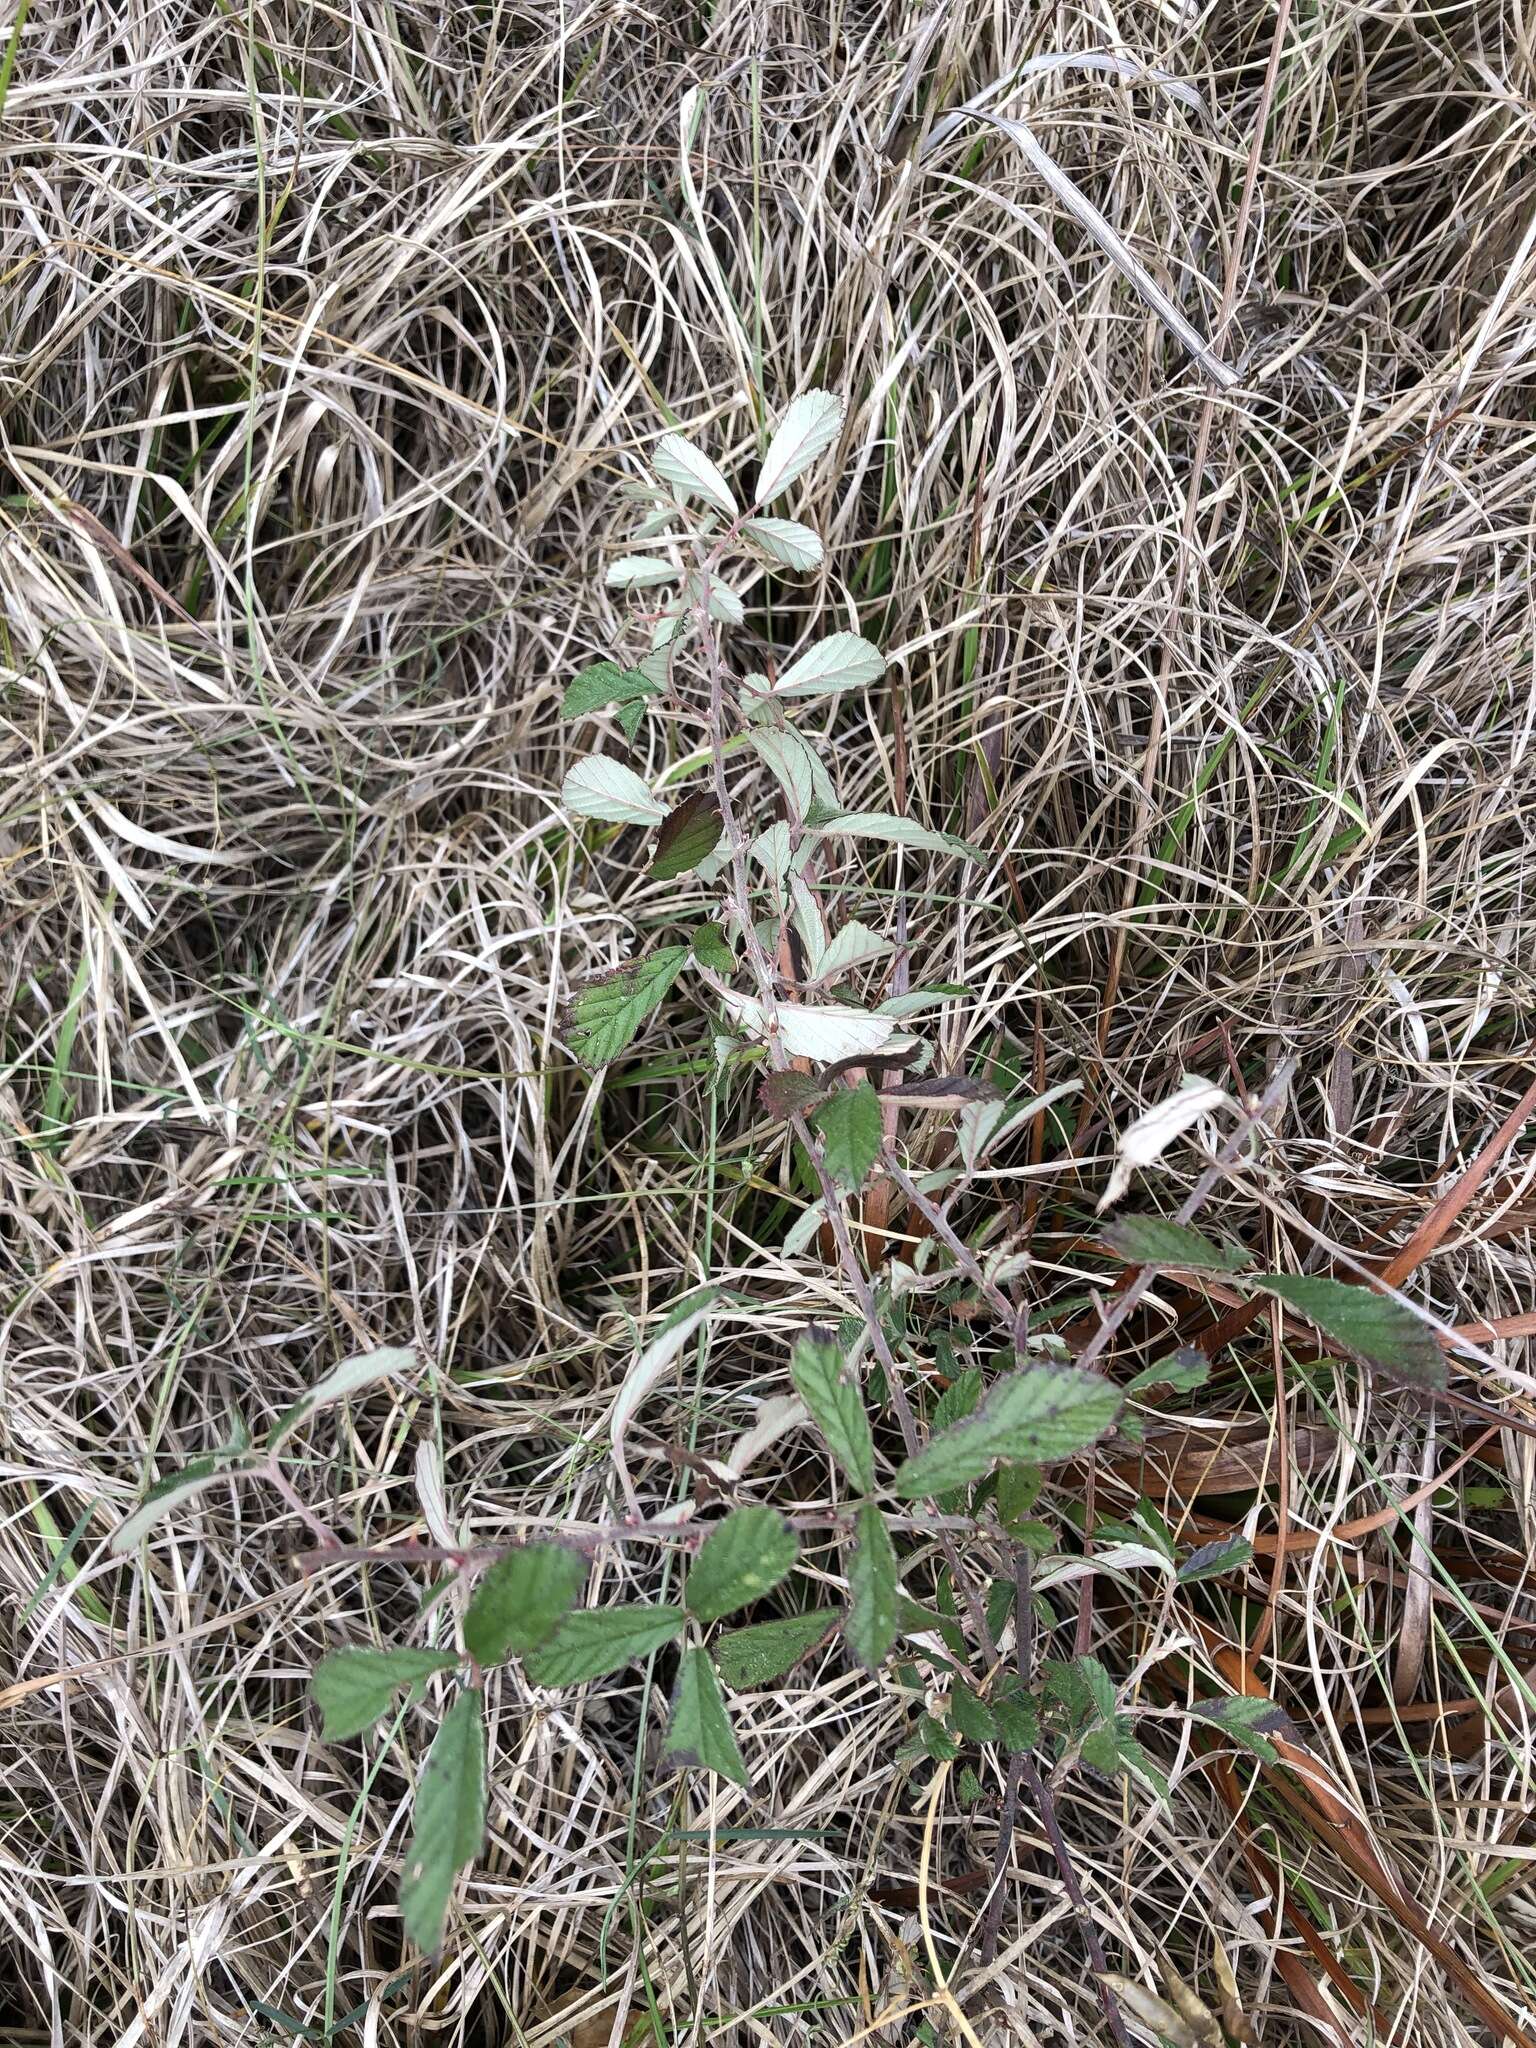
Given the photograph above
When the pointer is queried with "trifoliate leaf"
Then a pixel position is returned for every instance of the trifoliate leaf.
(353, 1687)
(742, 1558)
(603, 788)
(689, 836)
(851, 1134)
(765, 1651)
(808, 429)
(872, 1588)
(449, 1821)
(518, 1603)
(690, 472)
(698, 1730)
(603, 1017)
(1033, 1417)
(836, 1407)
(1372, 1325)
(600, 1640)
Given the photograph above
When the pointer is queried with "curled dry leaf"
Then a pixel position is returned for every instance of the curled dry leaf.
(1144, 1141)
(941, 1091)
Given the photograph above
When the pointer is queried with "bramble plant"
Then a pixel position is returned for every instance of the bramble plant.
(783, 961)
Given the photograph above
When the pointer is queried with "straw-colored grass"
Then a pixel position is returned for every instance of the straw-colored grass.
(328, 333)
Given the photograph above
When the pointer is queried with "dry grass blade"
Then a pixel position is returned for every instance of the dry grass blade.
(1185, 477)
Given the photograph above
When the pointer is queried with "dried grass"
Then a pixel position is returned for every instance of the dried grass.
(327, 333)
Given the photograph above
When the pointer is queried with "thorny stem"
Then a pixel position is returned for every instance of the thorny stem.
(954, 1243)
(778, 1059)
(1045, 1806)
(273, 1471)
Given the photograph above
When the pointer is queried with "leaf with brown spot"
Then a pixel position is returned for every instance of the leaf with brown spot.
(784, 1095)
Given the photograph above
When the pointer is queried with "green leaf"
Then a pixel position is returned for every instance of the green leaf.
(896, 831)
(1083, 1690)
(1154, 1241)
(1101, 1687)
(765, 1651)
(600, 1640)
(872, 1582)
(1018, 1725)
(1134, 1758)
(1101, 1749)
(837, 1408)
(1248, 1719)
(796, 765)
(518, 1603)
(168, 1494)
(968, 1787)
(1212, 1559)
(629, 717)
(842, 661)
(603, 1017)
(600, 787)
(1034, 1417)
(936, 1741)
(809, 427)
(742, 1558)
(449, 1821)
(958, 1400)
(1182, 1371)
(784, 542)
(1018, 1488)
(971, 1715)
(604, 683)
(350, 1377)
(851, 1134)
(1369, 1324)
(698, 1732)
(353, 1687)
(711, 949)
(851, 946)
(689, 836)
(639, 572)
(691, 474)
